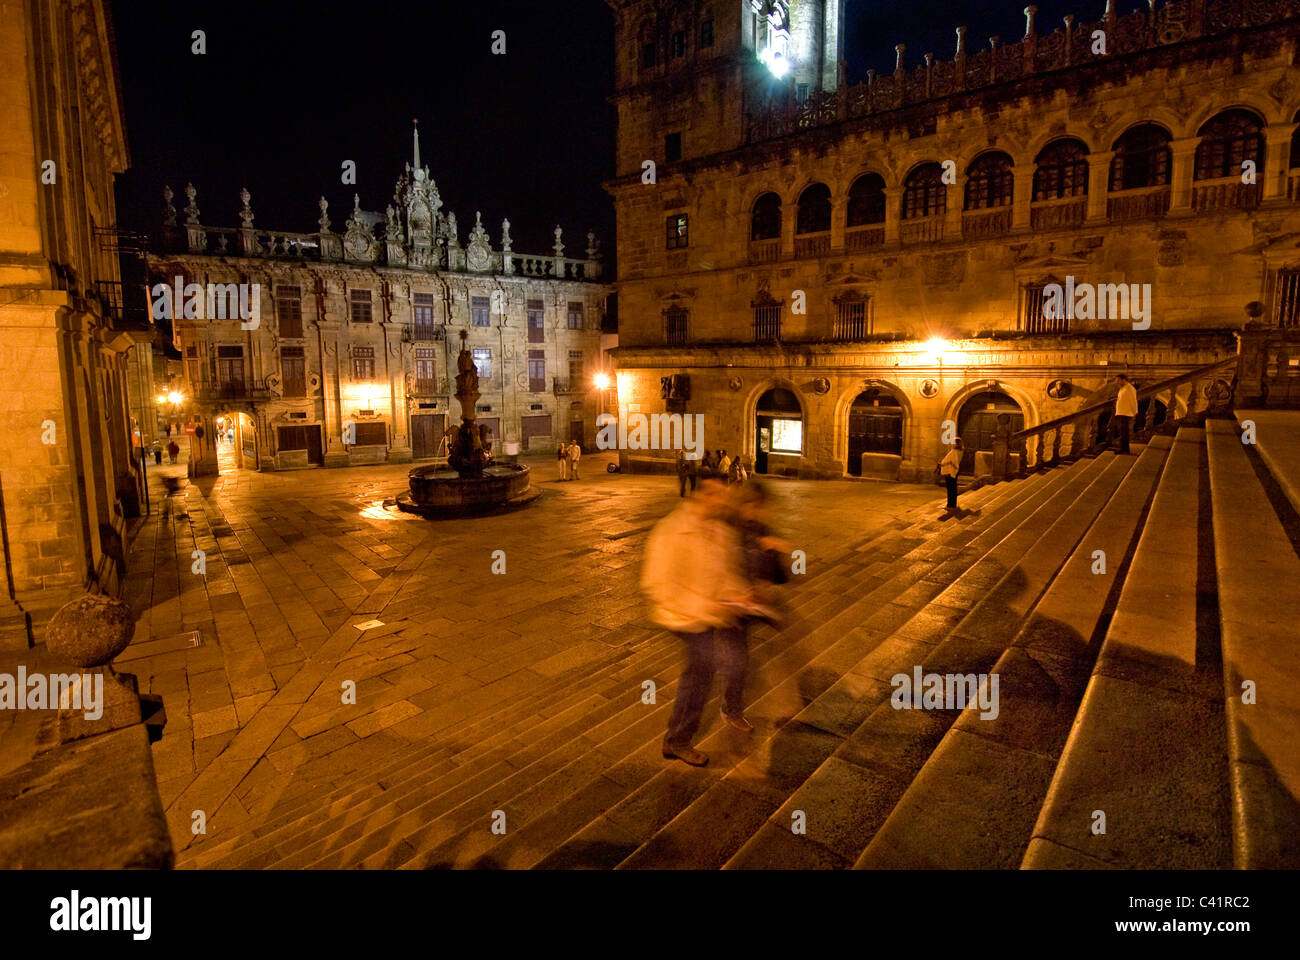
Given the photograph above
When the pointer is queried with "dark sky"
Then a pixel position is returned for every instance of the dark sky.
(289, 90)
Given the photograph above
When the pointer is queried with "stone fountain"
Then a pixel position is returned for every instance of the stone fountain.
(470, 482)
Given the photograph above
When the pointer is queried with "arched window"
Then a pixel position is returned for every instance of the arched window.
(866, 201)
(924, 193)
(814, 215)
(988, 182)
(1142, 159)
(1061, 170)
(1226, 140)
(766, 219)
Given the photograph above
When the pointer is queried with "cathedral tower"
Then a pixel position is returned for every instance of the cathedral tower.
(688, 71)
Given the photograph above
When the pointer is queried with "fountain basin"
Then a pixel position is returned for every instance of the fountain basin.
(439, 491)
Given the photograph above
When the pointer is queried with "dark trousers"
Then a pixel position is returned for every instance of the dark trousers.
(951, 484)
(721, 649)
(1122, 426)
(682, 478)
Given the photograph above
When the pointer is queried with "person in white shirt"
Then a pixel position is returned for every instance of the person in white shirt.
(1126, 408)
(694, 580)
(575, 454)
(949, 467)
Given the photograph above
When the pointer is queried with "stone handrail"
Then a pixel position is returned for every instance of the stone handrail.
(1077, 432)
(1177, 21)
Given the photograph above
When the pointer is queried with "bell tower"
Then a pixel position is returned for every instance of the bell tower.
(688, 71)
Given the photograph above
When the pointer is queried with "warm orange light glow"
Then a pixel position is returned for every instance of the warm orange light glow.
(601, 380)
(176, 397)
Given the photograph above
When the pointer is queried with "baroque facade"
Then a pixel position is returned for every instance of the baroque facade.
(349, 355)
(839, 277)
(69, 480)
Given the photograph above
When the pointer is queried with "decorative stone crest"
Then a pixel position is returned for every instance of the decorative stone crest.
(928, 388)
(358, 244)
(735, 383)
(478, 256)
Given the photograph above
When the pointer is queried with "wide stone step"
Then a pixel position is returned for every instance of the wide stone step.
(1277, 438)
(493, 729)
(1147, 750)
(267, 846)
(852, 791)
(1259, 609)
(782, 757)
(974, 803)
(435, 833)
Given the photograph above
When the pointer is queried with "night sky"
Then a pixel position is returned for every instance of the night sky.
(287, 91)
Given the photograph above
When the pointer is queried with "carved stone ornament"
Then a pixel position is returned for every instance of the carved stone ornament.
(478, 256)
(821, 386)
(735, 383)
(1060, 389)
(929, 388)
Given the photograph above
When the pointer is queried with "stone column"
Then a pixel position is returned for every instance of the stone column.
(789, 217)
(954, 198)
(893, 213)
(1277, 161)
(839, 216)
(1098, 185)
(399, 445)
(1023, 189)
(1180, 175)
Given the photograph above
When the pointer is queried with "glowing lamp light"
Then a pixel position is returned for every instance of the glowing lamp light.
(936, 345)
(175, 396)
(779, 65)
(601, 380)
(162, 398)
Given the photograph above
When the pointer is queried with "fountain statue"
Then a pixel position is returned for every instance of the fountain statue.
(471, 481)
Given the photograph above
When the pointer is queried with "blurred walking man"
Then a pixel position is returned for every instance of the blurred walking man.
(694, 580)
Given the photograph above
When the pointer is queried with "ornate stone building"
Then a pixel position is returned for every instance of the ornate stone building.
(350, 358)
(68, 478)
(834, 271)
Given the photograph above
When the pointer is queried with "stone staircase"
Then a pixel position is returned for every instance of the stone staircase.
(1090, 590)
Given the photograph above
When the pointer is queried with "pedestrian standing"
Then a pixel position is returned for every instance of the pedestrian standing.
(949, 468)
(562, 459)
(694, 581)
(172, 450)
(575, 454)
(724, 466)
(1126, 408)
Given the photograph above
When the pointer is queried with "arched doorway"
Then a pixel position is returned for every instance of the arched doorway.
(978, 419)
(779, 428)
(875, 426)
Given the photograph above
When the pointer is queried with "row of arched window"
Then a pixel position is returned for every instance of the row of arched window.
(1142, 158)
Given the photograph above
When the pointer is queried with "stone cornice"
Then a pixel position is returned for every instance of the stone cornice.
(101, 90)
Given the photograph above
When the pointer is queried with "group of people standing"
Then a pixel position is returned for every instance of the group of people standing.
(711, 567)
(567, 456)
(715, 464)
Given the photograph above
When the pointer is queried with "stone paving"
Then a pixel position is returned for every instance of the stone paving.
(251, 655)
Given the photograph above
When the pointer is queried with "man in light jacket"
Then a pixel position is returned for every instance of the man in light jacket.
(694, 580)
(949, 467)
(1126, 408)
(575, 454)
